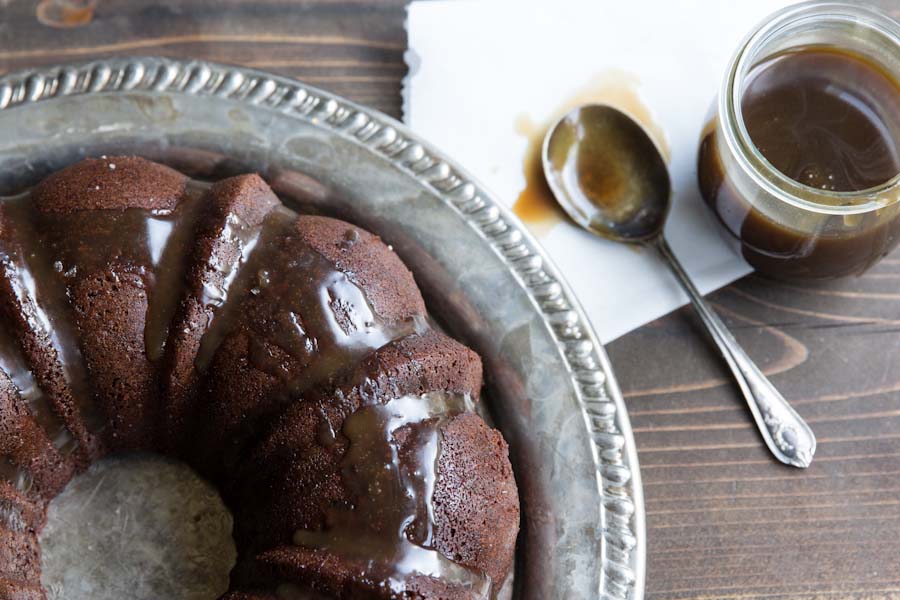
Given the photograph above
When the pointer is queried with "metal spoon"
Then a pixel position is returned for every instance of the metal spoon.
(609, 176)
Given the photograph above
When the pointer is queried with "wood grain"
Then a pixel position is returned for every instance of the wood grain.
(724, 520)
(352, 48)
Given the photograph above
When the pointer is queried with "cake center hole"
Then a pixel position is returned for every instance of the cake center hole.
(140, 527)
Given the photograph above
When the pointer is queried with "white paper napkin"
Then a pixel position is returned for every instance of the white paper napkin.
(480, 69)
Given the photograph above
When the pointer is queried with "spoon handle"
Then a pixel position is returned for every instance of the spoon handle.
(786, 434)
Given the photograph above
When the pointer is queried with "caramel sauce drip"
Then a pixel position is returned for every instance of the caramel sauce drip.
(12, 363)
(11, 518)
(535, 204)
(16, 476)
(390, 467)
(170, 239)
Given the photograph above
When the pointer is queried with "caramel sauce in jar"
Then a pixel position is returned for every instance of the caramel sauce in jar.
(803, 170)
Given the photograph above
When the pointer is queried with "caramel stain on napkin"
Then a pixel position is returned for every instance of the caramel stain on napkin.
(535, 204)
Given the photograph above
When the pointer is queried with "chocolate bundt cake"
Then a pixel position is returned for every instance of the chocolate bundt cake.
(287, 358)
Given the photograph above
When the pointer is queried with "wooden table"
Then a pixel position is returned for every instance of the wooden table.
(724, 520)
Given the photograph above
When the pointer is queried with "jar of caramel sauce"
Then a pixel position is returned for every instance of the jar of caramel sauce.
(801, 160)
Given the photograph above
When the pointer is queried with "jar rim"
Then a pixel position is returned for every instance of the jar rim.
(737, 137)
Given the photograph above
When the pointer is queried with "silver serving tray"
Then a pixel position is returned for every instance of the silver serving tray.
(550, 388)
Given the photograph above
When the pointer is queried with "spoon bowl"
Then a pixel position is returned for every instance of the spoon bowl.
(607, 174)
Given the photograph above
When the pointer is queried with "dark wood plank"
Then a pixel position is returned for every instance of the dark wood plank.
(352, 48)
(724, 520)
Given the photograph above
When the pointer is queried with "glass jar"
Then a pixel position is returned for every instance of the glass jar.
(786, 229)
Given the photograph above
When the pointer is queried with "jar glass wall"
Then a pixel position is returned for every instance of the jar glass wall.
(784, 228)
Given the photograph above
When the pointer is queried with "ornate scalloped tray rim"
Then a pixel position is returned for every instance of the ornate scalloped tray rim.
(601, 402)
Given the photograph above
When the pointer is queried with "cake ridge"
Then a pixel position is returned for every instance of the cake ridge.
(15, 374)
(96, 219)
(35, 308)
(29, 456)
(240, 280)
(227, 232)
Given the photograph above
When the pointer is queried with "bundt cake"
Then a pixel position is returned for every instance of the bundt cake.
(287, 358)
